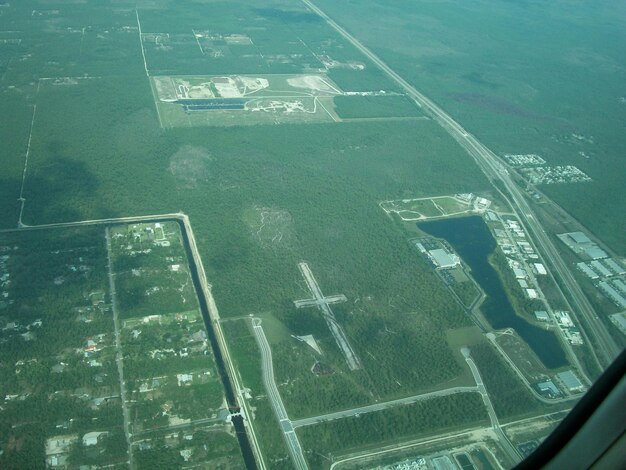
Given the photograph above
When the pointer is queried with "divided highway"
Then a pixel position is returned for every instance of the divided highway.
(494, 170)
(495, 424)
(273, 395)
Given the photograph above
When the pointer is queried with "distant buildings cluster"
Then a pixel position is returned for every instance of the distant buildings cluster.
(608, 274)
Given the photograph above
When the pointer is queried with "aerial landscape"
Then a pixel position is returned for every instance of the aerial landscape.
(276, 234)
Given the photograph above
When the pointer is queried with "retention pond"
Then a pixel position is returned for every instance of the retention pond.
(472, 240)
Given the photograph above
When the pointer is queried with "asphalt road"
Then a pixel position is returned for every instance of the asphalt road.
(289, 433)
(118, 353)
(493, 169)
(381, 406)
(511, 451)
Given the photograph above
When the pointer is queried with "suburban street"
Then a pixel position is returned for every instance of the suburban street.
(273, 395)
(494, 170)
(118, 352)
(206, 293)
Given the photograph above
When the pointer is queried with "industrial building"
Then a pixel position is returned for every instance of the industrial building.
(580, 243)
(579, 238)
(548, 388)
(619, 319)
(541, 315)
(491, 216)
(613, 294)
(443, 259)
(598, 267)
(594, 252)
(570, 381)
(532, 293)
(519, 273)
(620, 285)
(587, 271)
(564, 319)
(540, 269)
(613, 266)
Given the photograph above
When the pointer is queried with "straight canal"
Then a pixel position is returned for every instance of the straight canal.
(238, 423)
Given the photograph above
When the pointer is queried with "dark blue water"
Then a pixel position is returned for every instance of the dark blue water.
(472, 240)
(212, 103)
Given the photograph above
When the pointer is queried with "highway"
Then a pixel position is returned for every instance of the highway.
(273, 395)
(118, 352)
(381, 406)
(511, 451)
(494, 170)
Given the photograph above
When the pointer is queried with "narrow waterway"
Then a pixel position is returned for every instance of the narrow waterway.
(472, 240)
(238, 423)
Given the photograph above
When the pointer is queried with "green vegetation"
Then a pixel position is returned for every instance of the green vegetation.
(220, 449)
(152, 278)
(261, 198)
(349, 107)
(510, 90)
(57, 367)
(467, 292)
(508, 394)
(383, 427)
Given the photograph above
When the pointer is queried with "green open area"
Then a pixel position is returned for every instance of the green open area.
(522, 356)
(388, 426)
(231, 100)
(422, 208)
(350, 107)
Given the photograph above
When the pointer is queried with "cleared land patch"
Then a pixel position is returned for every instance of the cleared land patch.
(244, 100)
(432, 207)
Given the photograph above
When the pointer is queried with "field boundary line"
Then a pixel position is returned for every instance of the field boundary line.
(30, 138)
